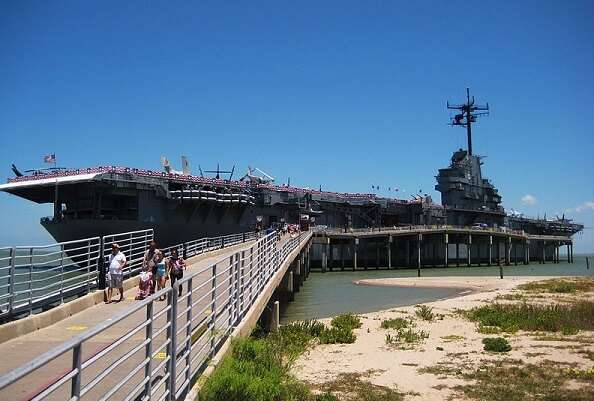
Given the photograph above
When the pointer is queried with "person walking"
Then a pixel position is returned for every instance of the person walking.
(175, 268)
(149, 263)
(161, 271)
(115, 276)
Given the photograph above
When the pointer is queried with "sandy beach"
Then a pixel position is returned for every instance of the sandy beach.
(453, 343)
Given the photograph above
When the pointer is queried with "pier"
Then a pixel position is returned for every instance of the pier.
(159, 349)
(432, 246)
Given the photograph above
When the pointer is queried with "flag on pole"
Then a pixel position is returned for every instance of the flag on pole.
(51, 158)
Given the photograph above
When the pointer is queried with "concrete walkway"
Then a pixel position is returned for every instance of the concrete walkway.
(23, 349)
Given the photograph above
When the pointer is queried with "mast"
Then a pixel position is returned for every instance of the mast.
(469, 112)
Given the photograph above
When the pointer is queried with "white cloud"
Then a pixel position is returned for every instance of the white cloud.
(582, 208)
(528, 200)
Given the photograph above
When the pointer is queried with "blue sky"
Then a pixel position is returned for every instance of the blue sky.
(340, 94)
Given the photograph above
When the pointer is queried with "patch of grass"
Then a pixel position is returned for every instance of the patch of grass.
(397, 323)
(512, 297)
(560, 285)
(441, 370)
(511, 380)
(452, 338)
(568, 319)
(488, 329)
(424, 312)
(348, 321)
(496, 344)
(259, 368)
(326, 397)
(337, 335)
(353, 387)
(408, 336)
(500, 381)
(254, 370)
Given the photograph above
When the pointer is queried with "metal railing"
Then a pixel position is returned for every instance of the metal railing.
(33, 278)
(157, 348)
(133, 244)
(428, 227)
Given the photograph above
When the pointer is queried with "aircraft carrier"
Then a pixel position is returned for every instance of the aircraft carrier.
(180, 206)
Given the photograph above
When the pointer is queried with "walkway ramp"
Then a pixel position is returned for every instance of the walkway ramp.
(146, 349)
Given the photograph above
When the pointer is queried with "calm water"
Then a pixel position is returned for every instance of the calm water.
(332, 293)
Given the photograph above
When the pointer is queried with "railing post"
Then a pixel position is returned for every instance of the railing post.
(100, 265)
(172, 298)
(89, 266)
(238, 287)
(76, 365)
(12, 277)
(148, 351)
(251, 275)
(213, 312)
(129, 256)
(185, 250)
(188, 331)
(231, 291)
(62, 273)
(31, 281)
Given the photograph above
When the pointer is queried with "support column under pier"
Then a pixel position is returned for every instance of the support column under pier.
(490, 250)
(355, 246)
(274, 317)
(446, 244)
(419, 247)
(330, 255)
(457, 253)
(468, 246)
(324, 258)
(389, 246)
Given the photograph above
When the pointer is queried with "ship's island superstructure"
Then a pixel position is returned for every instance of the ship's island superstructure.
(180, 206)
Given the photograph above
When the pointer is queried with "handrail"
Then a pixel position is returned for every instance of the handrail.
(33, 277)
(236, 281)
(424, 228)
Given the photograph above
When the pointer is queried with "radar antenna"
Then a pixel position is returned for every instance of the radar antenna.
(468, 115)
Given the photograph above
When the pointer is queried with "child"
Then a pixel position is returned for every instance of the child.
(161, 272)
(145, 285)
(175, 269)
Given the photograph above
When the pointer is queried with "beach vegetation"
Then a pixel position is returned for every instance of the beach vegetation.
(568, 319)
(258, 368)
(502, 381)
(348, 321)
(452, 337)
(560, 285)
(396, 323)
(488, 329)
(406, 336)
(424, 312)
(337, 335)
(496, 344)
(354, 387)
(327, 396)
(512, 380)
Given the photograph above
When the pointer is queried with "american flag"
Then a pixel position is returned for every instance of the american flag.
(51, 158)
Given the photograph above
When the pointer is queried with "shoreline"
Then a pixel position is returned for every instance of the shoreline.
(475, 284)
(452, 340)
